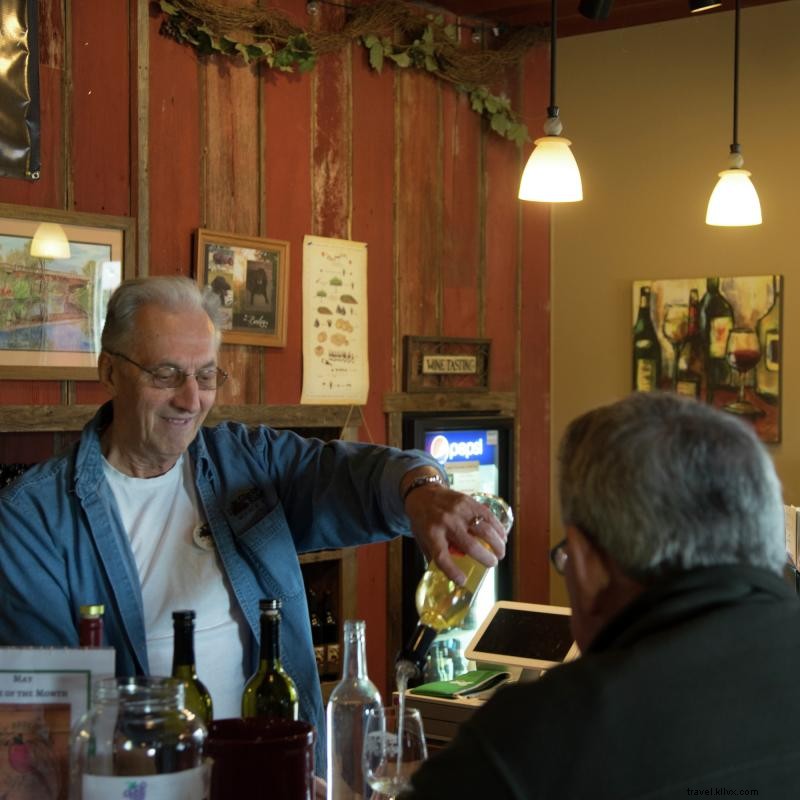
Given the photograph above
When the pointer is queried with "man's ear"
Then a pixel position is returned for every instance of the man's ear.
(106, 373)
(590, 572)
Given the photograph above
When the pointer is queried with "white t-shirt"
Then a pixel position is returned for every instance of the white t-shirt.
(179, 569)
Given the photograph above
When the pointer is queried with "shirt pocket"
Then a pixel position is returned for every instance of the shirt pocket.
(269, 547)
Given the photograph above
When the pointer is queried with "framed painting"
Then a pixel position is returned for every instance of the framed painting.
(715, 339)
(251, 278)
(52, 305)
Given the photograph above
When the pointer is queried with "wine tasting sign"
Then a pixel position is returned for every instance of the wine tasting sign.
(434, 364)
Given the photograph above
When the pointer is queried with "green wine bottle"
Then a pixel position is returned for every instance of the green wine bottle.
(270, 693)
(197, 697)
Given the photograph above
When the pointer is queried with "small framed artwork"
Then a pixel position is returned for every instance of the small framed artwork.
(446, 364)
(251, 278)
(57, 271)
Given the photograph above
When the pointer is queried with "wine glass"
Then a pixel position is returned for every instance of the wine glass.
(394, 747)
(676, 330)
(742, 353)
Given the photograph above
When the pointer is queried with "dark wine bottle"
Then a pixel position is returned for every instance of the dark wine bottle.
(716, 322)
(690, 363)
(270, 693)
(317, 636)
(646, 348)
(90, 630)
(330, 628)
(197, 697)
(768, 369)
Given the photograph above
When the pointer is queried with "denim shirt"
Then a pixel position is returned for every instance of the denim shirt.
(267, 495)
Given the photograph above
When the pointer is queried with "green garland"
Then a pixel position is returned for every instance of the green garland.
(427, 44)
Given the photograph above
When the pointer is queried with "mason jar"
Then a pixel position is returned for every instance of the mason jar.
(138, 741)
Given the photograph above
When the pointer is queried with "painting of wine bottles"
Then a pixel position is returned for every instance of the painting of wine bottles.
(715, 339)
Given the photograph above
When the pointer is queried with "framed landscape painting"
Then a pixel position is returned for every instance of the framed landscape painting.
(717, 339)
(251, 278)
(52, 307)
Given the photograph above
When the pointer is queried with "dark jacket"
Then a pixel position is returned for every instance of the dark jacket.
(692, 691)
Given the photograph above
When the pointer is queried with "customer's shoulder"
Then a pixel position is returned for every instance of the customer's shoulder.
(37, 479)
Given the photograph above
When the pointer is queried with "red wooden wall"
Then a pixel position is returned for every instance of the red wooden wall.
(396, 160)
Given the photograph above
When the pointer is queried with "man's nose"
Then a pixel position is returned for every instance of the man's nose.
(187, 395)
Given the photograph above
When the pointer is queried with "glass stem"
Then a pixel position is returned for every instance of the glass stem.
(742, 376)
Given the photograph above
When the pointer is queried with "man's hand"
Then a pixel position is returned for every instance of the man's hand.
(442, 518)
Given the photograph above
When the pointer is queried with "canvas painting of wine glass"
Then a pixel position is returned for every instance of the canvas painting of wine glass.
(716, 339)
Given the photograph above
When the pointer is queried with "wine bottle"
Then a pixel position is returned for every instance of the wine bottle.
(349, 702)
(443, 604)
(769, 338)
(330, 628)
(197, 697)
(317, 635)
(646, 349)
(90, 629)
(690, 364)
(270, 693)
(716, 322)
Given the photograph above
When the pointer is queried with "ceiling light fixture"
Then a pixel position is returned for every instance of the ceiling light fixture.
(50, 241)
(734, 201)
(551, 174)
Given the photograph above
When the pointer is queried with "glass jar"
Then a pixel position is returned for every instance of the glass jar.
(138, 740)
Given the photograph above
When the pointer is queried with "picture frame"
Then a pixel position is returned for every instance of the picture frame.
(52, 310)
(251, 277)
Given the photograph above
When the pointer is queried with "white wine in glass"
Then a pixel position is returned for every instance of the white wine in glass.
(394, 748)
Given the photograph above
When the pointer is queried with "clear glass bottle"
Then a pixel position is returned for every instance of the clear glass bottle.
(441, 603)
(349, 702)
(138, 740)
(270, 693)
(198, 698)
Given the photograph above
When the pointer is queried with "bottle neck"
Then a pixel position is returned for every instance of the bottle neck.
(415, 653)
(270, 652)
(354, 664)
(183, 648)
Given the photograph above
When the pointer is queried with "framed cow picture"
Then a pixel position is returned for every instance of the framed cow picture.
(250, 276)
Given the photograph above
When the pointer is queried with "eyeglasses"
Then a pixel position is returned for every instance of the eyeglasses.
(558, 557)
(169, 377)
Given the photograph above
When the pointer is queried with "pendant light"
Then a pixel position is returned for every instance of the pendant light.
(50, 241)
(551, 174)
(734, 201)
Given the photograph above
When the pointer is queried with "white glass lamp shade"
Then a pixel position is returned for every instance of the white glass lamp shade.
(734, 200)
(551, 174)
(50, 241)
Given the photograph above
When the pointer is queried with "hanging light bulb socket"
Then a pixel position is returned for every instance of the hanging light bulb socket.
(734, 201)
(551, 174)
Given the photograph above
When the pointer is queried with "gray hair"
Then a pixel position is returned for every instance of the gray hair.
(170, 292)
(664, 484)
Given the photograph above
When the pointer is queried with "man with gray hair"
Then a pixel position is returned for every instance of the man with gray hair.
(151, 512)
(690, 638)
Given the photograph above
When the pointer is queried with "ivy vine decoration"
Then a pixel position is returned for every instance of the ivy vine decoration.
(421, 42)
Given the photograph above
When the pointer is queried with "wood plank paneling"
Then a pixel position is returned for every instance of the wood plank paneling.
(287, 198)
(173, 155)
(462, 273)
(331, 169)
(373, 173)
(418, 191)
(100, 122)
(533, 347)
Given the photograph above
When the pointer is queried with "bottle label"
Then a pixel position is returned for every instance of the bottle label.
(645, 375)
(772, 351)
(718, 336)
(688, 387)
(332, 658)
(189, 784)
(319, 656)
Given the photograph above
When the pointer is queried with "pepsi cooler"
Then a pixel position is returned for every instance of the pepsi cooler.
(477, 453)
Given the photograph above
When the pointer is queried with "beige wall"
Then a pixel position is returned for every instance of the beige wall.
(649, 111)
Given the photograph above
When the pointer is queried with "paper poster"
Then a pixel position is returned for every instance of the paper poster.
(335, 359)
(43, 692)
